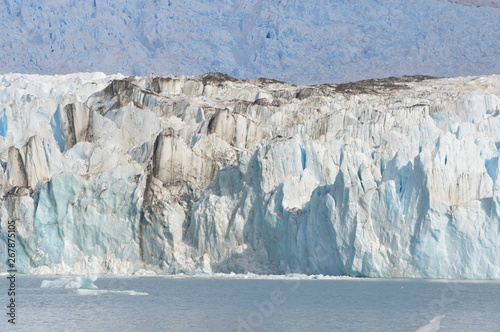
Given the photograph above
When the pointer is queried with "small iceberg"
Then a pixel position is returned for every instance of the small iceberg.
(85, 286)
(433, 326)
(85, 282)
(107, 292)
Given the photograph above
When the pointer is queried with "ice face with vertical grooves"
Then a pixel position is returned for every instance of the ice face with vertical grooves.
(180, 174)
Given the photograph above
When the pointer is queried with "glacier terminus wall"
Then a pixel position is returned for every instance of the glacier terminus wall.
(393, 177)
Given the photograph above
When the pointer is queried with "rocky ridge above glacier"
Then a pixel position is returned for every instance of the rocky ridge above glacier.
(179, 174)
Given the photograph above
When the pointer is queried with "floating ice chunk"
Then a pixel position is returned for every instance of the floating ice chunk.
(433, 326)
(107, 292)
(85, 282)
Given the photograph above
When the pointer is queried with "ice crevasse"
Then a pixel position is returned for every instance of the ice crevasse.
(393, 177)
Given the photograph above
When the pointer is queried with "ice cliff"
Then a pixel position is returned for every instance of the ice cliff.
(177, 174)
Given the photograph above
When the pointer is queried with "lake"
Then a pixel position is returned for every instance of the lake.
(235, 304)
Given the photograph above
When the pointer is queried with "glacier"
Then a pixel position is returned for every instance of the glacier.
(304, 43)
(109, 174)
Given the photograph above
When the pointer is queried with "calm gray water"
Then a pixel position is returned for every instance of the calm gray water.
(192, 304)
